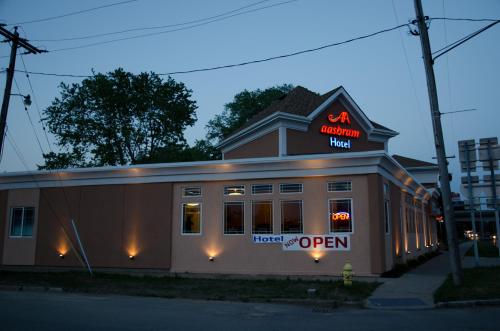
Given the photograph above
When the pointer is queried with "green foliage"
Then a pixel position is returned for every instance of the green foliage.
(244, 105)
(119, 118)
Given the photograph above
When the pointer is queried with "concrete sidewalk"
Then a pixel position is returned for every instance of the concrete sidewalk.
(415, 289)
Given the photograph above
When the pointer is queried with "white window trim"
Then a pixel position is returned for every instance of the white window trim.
(224, 219)
(182, 220)
(301, 212)
(301, 188)
(259, 194)
(22, 222)
(272, 215)
(352, 215)
(337, 181)
(192, 196)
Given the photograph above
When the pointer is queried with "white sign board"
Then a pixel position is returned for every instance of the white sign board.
(334, 242)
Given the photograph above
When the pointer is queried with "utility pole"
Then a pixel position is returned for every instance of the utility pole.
(451, 231)
(16, 42)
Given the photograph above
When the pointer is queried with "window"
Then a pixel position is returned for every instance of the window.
(234, 218)
(194, 191)
(340, 215)
(21, 224)
(291, 216)
(387, 210)
(345, 186)
(191, 218)
(290, 188)
(262, 217)
(262, 189)
(234, 190)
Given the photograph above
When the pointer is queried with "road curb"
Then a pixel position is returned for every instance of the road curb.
(468, 303)
(30, 288)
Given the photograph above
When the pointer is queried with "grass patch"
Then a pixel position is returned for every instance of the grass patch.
(484, 248)
(400, 269)
(479, 283)
(192, 288)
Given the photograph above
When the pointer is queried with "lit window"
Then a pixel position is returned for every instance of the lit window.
(290, 188)
(234, 190)
(262, 189)
(345, 186)
(194, 191)
(21, 224)
(191, 218)
(291, 216)
(234, 218)
(262, 217)
(340, 215)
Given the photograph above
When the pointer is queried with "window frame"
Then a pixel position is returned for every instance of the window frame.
(224, 218)
(22, 221)
(272, 216)
(301, 188)
(352, 215)
(182, 220)
(253, 185)
(338, 181)
(301, 216)
(386, 188)
(192, 196)
(234, 195)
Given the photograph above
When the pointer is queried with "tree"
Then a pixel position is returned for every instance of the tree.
(244, 105)
(119, 118)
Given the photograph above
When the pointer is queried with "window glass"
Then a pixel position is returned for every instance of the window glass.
(233, 218)
(387, 217)
(340, 215)
(28, 222)
(194, 191)
(191, 217)
(290, 188)
(16, 224)
(344, 186)
(262, 189)
(234, 190)
(262, 217)
(291, 216)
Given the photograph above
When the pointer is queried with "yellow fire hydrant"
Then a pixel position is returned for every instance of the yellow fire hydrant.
(347, 274)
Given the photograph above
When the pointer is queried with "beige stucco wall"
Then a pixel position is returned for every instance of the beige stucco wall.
(20, 251)
(237, 254)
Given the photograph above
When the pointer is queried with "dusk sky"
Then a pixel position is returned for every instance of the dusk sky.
(389, 87)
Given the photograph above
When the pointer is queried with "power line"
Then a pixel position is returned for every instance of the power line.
(310, 50)
(465, 19)
(153, 27)
(169, 31)
(73, 13)
(460, 41)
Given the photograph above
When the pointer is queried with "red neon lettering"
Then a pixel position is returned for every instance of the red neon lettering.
(338, 131)
(329, 242)
(340, 241)
(308, 242)
(341, 216)
(343, 118)
(317, 241)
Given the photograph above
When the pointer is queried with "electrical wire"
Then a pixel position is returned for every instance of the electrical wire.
(168, 31)
(152, 27)
(72, 13)
(465, 19)
(310, 50)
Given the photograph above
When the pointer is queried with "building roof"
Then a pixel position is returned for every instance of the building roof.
(299, 101)
(412, 163)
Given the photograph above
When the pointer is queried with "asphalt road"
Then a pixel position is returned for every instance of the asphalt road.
(62, 311)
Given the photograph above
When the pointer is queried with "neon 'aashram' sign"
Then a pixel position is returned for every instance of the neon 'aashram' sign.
(342, 118)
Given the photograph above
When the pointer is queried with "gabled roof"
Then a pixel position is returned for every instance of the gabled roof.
(299, 101)
(412, 163)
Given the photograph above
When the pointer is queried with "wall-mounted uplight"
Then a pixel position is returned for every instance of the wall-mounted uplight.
(61, 255)
(316, 260)
(131, 257)
(408, 252)
(211, 258)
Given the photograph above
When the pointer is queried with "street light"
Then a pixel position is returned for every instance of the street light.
(26, 99)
